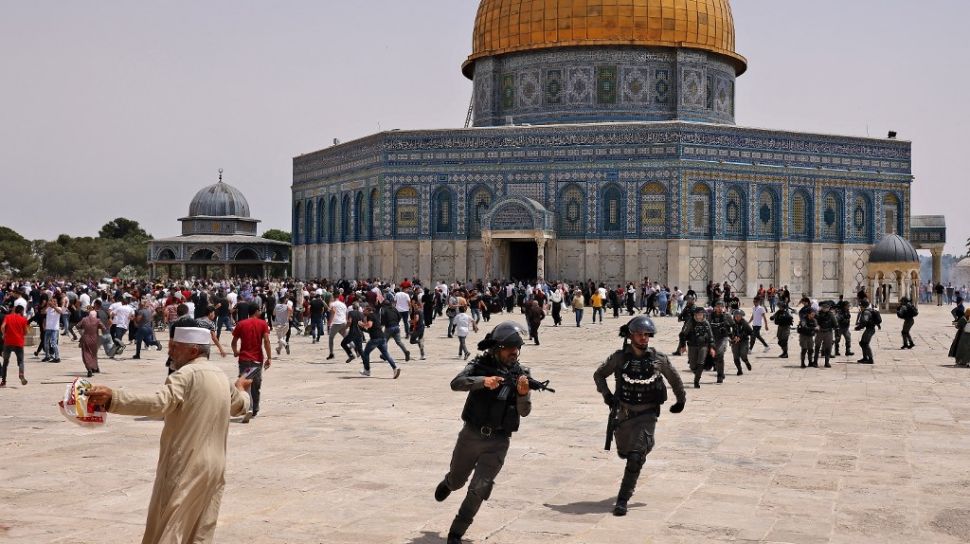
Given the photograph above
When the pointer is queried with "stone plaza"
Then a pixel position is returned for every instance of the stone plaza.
(854, 454)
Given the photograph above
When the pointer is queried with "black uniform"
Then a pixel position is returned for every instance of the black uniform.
(640, 391)
(783, 320)
(907, 312)
(867, 321)
(827, 323)
(807, 328)
(490, 416)
(723, 326)
(687, 314)
(845, 325)
(699, 339)
(740, 344)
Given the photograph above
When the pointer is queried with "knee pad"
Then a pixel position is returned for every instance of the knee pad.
(635, 460)
(481, 488)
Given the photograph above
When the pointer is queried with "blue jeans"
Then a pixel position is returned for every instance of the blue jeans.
(381, 345)
(50, 344)
(579, 316)
(316, 327)
(223, 321)
(257, 378)
(599, 312)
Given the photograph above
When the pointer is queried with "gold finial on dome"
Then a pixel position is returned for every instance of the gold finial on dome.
(220, 175)
(509, 26)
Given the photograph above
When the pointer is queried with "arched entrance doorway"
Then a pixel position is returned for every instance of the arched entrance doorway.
(515, 232)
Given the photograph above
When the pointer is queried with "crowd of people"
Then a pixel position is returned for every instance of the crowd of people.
(369, 315)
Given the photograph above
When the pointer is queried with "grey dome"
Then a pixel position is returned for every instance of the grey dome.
(893, 248)
(219, 200)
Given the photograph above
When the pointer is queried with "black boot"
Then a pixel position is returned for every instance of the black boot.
(740, 372)
(697, 382)
(720, 378)
(803, 359)
(441, 492)
(454, 539)
(827, 365)
(619, 509)
(836, 354)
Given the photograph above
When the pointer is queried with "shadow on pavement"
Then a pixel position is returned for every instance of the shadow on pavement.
(583, 508)
(427, 537)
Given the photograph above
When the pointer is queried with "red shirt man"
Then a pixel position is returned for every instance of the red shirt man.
(14, 329)
(250, 340)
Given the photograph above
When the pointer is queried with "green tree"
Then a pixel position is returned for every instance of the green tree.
(123, 229)
(278, 235)
(17, 257)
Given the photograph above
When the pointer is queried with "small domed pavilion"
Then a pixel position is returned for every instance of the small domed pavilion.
(894, 271)
(218, 240)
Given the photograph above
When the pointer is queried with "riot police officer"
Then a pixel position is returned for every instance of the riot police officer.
(867, 321)
(907, 312)
(697, 337)
(723, 327)
(844, 314)
(807, 327)
(685, 315)
(783, 320)
(639, 372)
(491, 414)
(827, 324)
(740, 341)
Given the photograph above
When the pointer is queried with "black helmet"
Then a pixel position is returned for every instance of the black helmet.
(640, 323)
(700, 310)
(507, 334)
(903, 300)
(864, 303)
(738, 313)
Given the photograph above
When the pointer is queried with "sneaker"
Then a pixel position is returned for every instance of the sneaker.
(350, 359)
(45, 360)
(422, 358)
(249, 415)
(136, 357)
(279, 349)
(287, 348)
(466, 356)
(441, 492)
(3, 383)
(397, 372)
(365, 373)
(330, 356)
(407, 356)
(55, 360)
(23, 380)
(747, 364)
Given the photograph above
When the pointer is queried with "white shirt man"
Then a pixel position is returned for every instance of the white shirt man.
(120, 315)
(758, 316)
(402, 302)
(282, 314)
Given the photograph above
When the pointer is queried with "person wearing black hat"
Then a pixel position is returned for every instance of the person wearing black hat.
(807, 327)
(907, 312)
(698, 337)
(723, 327)
(639, 391)
(491, 414)
(867, 321)
(827, 323)
(844, 314)
(783, 320)
(740, 343)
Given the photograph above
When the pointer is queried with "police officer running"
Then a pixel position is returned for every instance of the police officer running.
(907, 312)
(723, 327)
(639, 373)
(827, 324)
(740, 341)
(783, 320)
(867, 321)
(698, 337)
(491, 414)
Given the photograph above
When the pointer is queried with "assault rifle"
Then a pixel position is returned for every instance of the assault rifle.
(510, 379)
(611, 424)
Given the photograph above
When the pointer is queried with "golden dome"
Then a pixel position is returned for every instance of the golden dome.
(508, 26)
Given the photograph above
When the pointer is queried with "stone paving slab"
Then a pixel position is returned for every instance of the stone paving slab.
(853, 454)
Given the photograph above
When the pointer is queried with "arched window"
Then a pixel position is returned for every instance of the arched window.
(308, 229)
(332, 220)
(406, 211)
(734, 216)
(700, 210)
(572, 219)
(801, 224)
(613, 218)
(166, 255)
(767, 214)
(345, 218)
(372, 215)
(832, 217)
(444, 213)
(321, 220)
(480, 202)
(653, 208)
(860, 217)
(891, 214)
(297, 221)
(359, 216)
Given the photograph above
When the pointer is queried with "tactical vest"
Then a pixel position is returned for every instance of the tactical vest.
(721, 325)
(639, 381)
(784, 319)
(484, 408)
(826, 321)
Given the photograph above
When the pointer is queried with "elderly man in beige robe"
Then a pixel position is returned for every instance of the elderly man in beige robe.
(196, 402)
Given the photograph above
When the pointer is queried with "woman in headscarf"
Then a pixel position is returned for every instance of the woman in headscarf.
(91, 330)
(960, 350)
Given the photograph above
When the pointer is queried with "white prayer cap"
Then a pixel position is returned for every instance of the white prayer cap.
(193, 335)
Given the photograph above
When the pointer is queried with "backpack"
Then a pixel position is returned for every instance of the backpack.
(876, 317)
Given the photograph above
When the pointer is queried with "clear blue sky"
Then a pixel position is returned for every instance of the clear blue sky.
(120, 108)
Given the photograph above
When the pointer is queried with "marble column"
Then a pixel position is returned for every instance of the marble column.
(487, 250)
(540, 255)
(937, 265)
